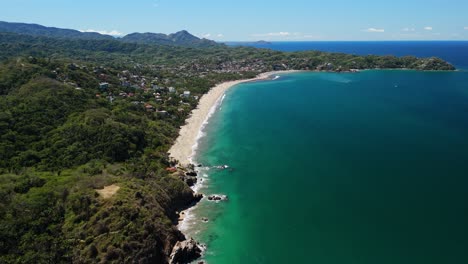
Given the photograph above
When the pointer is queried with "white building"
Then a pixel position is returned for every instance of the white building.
(103, 86)
(186, 94)
(171, 89)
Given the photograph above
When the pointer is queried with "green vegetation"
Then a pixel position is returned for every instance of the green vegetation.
(63, 135)
(58, 144)
(201, 61)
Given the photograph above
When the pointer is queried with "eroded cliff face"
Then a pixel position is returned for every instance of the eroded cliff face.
(185, 252)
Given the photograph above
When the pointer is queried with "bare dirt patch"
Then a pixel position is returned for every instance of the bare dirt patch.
(108, 191)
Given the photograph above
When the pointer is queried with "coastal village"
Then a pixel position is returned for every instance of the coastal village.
(173, 91)
(148, 92)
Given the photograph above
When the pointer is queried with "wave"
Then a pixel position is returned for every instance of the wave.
(190, 219)
(201, 132)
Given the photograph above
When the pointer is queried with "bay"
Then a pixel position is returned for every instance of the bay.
(368, 167)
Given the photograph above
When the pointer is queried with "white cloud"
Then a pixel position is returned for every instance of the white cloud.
(273, 34)
(408, 29)
(466, 28)
(104, 32)
(311, 37)
(284, 35)
(213, 36)
(375, 30)
(428, 28)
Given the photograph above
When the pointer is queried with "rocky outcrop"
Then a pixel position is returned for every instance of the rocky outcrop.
(188, 174)
(216, 197)
(191, 173)
(185, 252)
(189, 180)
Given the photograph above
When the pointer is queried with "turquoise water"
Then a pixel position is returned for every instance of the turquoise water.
(369, 167)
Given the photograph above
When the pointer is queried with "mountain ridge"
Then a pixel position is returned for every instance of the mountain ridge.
(183, 38)
(180, 38)
(40, 30)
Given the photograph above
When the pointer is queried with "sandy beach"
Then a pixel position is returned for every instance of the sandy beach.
(182, 150)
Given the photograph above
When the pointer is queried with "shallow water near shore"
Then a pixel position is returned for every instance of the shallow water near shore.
(368, 167)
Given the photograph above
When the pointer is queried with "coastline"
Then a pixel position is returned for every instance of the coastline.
(185, 144)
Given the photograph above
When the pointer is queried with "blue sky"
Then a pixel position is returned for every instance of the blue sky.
(227, 20)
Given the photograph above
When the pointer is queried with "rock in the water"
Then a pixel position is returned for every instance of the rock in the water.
(197, 197)
(185, 252)
(216, 197)
(191, 173)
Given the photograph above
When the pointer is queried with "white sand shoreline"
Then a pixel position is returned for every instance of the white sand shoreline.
(183, 148)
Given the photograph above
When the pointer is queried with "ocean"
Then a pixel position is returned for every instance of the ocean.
(368, 167)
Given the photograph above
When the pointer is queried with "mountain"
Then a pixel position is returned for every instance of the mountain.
(39, 30)
(147, 38)
(181, 38)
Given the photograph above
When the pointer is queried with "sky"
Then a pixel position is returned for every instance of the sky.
(251, 20)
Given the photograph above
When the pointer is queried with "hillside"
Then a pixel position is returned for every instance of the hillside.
(59, 145)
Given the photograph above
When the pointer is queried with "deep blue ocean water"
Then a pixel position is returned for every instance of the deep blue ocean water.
(455, 52)
(333, 168)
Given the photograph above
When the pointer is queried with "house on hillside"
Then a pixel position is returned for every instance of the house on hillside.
(171, 89)
(162, 113)
(186, 94)
(104, 86)
(149, 108)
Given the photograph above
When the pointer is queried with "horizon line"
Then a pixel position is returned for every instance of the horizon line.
(392, 40)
